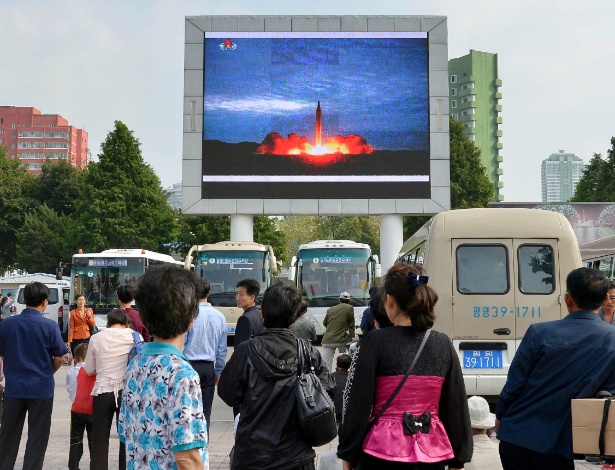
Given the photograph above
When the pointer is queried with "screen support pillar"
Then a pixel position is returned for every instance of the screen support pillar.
(391, 239)
(242, 228)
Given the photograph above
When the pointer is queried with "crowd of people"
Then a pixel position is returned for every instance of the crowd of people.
(399, 400)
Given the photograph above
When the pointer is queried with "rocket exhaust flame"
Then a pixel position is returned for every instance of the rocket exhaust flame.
(329, 151)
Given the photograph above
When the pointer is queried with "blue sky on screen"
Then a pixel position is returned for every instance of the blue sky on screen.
(373, 87)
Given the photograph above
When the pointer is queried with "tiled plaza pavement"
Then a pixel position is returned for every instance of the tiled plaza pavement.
(221, 436)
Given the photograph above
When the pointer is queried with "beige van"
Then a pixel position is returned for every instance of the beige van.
(58, 308)
(496, 271)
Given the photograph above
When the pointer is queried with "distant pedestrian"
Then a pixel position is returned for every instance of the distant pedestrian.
(8, 306)
(367, 320)
(205, 347)
(79, 387)
(607, 311)
(304, 327)
(107, 357)
(251, 322)
(33, 349)
(125, 296)
(341, 376)
(557, 361)
(81, 320)
(486, 455)
(339, 324)
(161, 422)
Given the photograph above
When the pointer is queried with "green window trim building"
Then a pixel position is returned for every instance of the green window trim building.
(474, 99)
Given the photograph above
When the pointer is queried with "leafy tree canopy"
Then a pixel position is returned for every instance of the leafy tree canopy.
(43, 241)
(470, 185)
(15, 203)
(58, 186)
(122, 203)
(597, 183)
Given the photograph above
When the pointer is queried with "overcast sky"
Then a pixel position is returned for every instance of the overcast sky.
(98, 61)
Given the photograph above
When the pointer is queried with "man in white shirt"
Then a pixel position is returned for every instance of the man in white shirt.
(205, 347)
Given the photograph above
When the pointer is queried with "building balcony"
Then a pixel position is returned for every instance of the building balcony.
(499, 133)
(498, 120)
(498, 95)
(499, 158)
(499, 171)
(498, 108)
(500, 184)
(499, 145)
(497, 83)
(500, 197)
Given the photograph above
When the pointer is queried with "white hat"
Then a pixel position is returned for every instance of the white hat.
(480, 415)
(345, 295)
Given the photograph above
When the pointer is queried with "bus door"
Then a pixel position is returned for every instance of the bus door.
(539, 292)
(484, 311)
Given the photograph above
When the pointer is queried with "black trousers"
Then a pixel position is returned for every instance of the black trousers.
(519, 458)
(77, 342)
(104, 407)
(79, 423)
(205, 369)
(369, 462)
(39, 425)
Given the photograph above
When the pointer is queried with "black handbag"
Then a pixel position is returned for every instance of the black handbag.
(314, 407)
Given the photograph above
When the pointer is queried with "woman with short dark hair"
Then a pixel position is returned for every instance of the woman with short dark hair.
(107, 357)
(427, 424)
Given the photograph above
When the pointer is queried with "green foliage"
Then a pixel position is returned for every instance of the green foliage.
(196, 230)
(122, 204)
(266, 232)
(470, 185)
(58, 186)
(304, 229)
(15, 203)
(43, 241)
(597, 183)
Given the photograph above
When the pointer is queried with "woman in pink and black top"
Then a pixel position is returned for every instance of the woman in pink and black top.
(436, 429)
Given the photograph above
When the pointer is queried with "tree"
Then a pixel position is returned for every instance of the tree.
(15, 203)
(595, 184)
(470, 185)
(197, 230)
(122, 203)
(58, 186)
(42, 241)
(304, 229)
(266, 232)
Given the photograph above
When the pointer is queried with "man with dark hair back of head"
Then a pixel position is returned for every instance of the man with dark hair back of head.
(303, 327)
(556, 362)
(205, 347)
(32, 347)
(124, 295)
(260, 379)
(162, 397)
(250, 323)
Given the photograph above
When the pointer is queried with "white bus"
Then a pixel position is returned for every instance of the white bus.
(98, 275)
(496, 271)
(600, 254)
(223, 264)
(326, 268)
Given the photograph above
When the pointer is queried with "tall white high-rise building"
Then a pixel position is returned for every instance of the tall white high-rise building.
(560, 174)
(174, 197)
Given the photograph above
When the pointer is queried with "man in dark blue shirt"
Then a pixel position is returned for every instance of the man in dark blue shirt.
(556, 362)
(32, 348)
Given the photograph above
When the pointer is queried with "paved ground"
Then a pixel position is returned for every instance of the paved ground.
(221, 435)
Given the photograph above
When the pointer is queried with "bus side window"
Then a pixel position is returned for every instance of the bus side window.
(536, 269)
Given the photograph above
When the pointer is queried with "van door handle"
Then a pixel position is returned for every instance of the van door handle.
(502, 331)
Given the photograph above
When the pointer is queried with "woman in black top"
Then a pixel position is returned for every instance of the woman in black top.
(435, 389)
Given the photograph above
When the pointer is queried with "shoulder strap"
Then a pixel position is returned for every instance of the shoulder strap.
(135, 336)
(605, 418)
(403, 381)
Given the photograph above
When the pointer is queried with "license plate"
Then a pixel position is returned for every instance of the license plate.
(482, 359)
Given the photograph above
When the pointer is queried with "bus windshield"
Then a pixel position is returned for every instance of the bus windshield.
(223, 269)
(98, 278)
(324, 273)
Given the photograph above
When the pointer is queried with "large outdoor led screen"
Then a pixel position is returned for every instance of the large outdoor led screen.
(316, 115)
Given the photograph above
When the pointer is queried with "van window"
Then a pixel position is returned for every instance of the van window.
(482, 269)
(53, 296)
(536, 269)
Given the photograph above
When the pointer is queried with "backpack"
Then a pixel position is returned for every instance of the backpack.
(136, 348)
